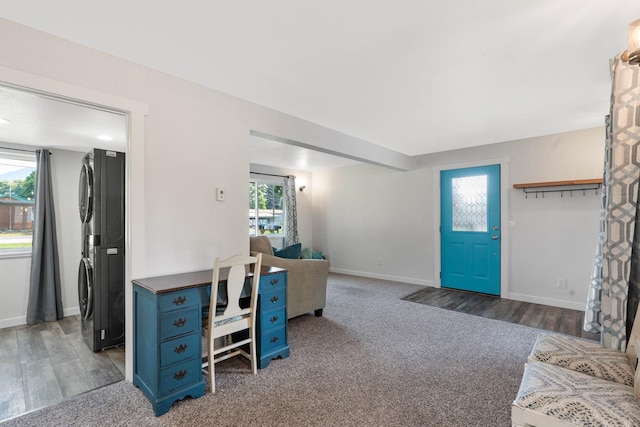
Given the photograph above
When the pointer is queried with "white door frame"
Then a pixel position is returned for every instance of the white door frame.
(504, 218)
(134, 181)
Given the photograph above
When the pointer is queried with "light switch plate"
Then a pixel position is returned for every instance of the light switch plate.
(220, 194)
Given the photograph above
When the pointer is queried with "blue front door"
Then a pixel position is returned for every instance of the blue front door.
(470, 229)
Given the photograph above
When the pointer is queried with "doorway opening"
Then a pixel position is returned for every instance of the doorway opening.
(504, 164)
(470, 229)
(133, 130)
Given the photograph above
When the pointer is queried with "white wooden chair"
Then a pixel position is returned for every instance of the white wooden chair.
(222, 322)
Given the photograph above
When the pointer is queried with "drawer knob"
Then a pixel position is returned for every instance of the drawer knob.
(274, 282)
(180, 349)
(274, 339)
(180, 375)
(180, 300)
(274, 298)
(274, 319)
(179, 323)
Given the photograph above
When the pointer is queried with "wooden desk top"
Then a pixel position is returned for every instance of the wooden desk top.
(194, 279)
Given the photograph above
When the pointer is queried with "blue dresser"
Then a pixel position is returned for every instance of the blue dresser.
(167, 321)
(271, 324)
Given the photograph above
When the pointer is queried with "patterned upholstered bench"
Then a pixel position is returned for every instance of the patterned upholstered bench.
(588, 357)
(551, 396)
(570, 381)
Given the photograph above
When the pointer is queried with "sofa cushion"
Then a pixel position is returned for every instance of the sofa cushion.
(291, 252)
(582, 355)
(553, 396)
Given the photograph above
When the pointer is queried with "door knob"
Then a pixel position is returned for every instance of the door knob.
(494, 237)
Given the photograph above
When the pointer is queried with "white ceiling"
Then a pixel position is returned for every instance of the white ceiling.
(42, 121)
(413, 76)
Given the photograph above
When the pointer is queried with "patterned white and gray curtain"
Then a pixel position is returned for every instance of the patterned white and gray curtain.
(613, 294)
(592, 317)
(292, 210)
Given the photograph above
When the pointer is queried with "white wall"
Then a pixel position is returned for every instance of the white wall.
(65, 174)
(377, 222)
(65, 170)
(14, 286)
(193, 140)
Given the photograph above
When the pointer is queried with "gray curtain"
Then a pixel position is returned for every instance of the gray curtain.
(292, 210)
(45, 296)
(614, 290)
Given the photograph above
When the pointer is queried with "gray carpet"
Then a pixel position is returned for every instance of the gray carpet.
(372, 360)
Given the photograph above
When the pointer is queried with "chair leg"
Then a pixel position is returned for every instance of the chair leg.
(252, 348)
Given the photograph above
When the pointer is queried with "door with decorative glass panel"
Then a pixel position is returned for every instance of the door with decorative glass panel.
(470, 229)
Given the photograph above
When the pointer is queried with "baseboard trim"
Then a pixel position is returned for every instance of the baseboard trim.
(572, 305)
(548, 301)
(71, 311)
(401, 279)
(22, 320)
(14, 321)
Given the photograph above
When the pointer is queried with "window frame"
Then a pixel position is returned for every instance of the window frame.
(254, 231)
(24, 158)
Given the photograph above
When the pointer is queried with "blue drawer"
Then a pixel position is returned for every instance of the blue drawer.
(177, 300)
(274, 298)
(273, 339)
(180, 375)
(181, 348)
(179, 322)
(272, 282)
(272, 318)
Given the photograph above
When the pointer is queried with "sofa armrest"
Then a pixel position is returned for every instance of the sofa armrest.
(317, 265)
(306, 282)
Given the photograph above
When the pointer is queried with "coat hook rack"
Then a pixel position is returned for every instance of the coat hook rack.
(560, 187)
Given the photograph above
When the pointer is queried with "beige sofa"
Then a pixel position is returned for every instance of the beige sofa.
(306, 282)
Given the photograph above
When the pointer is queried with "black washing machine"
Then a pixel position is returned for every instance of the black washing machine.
(101, 270)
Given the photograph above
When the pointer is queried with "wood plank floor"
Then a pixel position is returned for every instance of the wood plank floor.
(562, 320)
(45, 363)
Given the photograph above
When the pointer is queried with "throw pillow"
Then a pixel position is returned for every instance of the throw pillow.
(292, 252)
(306, 253)
(317, 255)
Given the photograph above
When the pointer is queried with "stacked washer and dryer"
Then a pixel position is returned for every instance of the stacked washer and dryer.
(101, 271)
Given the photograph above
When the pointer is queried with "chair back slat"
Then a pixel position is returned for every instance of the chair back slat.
(238, 265)
(235, 285)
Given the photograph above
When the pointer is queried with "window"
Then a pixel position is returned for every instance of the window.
(469, 203)
(266, 208)
(17, 190)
